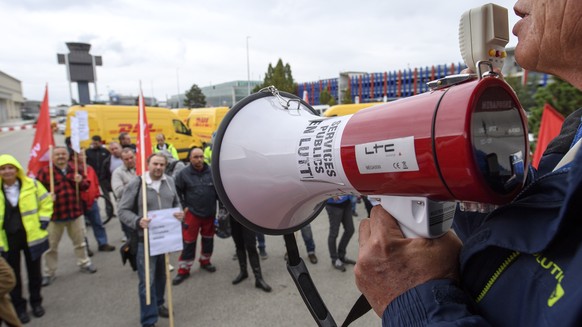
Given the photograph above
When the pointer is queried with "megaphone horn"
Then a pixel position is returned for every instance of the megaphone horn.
(275, 161)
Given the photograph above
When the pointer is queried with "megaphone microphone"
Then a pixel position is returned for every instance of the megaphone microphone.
(275, 161)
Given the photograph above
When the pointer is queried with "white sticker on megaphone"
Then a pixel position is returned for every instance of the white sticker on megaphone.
(387, 156)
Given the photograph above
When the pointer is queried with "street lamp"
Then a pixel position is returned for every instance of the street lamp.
(248, 69)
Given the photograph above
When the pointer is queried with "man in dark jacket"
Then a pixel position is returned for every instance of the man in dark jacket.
(195, 188)
(519, 265)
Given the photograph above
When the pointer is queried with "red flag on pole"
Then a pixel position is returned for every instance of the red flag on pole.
(144, 142)
(549, 128)
(43, 139)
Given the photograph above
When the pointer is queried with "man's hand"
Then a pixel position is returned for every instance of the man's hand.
(179, 215)
(78, 178)
(389, 264)
(144, 222)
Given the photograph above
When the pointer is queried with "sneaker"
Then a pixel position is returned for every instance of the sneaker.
(37, 310)
(347, 261)
(24, 317)
(312, 258)
(179, 279)
(170, 267)
(106, 248)
(47, 280)
(339, 265)
(208, 267)
(88, 269)
(355, 214)
(124, 239)
(263, 254)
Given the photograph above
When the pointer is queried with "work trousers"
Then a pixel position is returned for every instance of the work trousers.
(190, 228)
(76, 231)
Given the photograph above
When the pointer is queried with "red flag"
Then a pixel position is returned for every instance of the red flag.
(144, 142)
(43, 139)
(549, 128)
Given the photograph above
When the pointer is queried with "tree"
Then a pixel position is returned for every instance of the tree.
(561, 95)
(280, 77)
(326, 98)
(525, 93)
(347, 96)
(195, 98)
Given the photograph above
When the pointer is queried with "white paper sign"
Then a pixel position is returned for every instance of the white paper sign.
(75, 134)
(83, 123)
(165, 231)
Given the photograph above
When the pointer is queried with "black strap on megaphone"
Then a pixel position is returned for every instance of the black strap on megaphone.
(298, 270)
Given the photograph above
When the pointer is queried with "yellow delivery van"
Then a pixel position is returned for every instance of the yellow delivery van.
(182, 113)
(205, 121)
(109, 121)
(347, 109)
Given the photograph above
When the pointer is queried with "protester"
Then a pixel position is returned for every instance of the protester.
(67, 213)
(162, 145)
(97, 156)
(25, 211)
(121, 176)
(197, 194)
(519, 265)
(161, 194)
(108, 166)
(7, 283)
(339, 210)
(125, 141)
(245, 241)
(91, 207)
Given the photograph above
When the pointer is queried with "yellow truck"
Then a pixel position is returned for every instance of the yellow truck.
(205, 121)
(347, 109)
(109, 121)
(182, 113)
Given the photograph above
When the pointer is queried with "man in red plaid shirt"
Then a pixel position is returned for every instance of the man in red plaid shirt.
(67, 213)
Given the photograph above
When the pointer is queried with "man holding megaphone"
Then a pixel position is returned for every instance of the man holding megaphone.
(518, 266)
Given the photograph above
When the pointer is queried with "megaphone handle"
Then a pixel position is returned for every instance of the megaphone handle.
(300, 275)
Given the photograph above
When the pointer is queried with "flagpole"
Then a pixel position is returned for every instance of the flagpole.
(51, 173)
(169, 287)
(146, 243)
(76, 162)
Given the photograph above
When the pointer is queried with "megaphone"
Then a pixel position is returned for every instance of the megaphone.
(275, 162)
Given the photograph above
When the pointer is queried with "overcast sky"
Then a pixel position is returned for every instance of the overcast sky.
(176, 43)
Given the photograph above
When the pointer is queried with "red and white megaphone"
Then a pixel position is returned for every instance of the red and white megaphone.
(275, 162)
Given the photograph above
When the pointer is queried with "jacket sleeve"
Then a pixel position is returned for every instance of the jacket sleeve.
(45, 205)
(174, 152)
(434, 303)
(117, 183)
(179, 182)
(125, 207)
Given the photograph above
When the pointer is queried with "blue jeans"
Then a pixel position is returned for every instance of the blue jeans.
(94, 218)
(261, 241)
(149, 313)
(308, 238)
(339, 215)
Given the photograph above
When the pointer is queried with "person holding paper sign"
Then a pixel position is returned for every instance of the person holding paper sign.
(160, 194)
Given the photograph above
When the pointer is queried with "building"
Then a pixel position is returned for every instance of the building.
(227, 94)
(11, 99)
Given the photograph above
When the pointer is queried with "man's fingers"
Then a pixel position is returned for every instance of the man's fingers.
(364, 232)
(382, 222)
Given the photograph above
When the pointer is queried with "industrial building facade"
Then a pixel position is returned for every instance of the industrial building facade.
(11, 99)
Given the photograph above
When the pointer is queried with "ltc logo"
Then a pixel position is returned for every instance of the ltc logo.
(131, 128)
(379, 148)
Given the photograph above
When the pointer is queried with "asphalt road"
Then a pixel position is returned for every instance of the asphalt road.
(109, 297)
